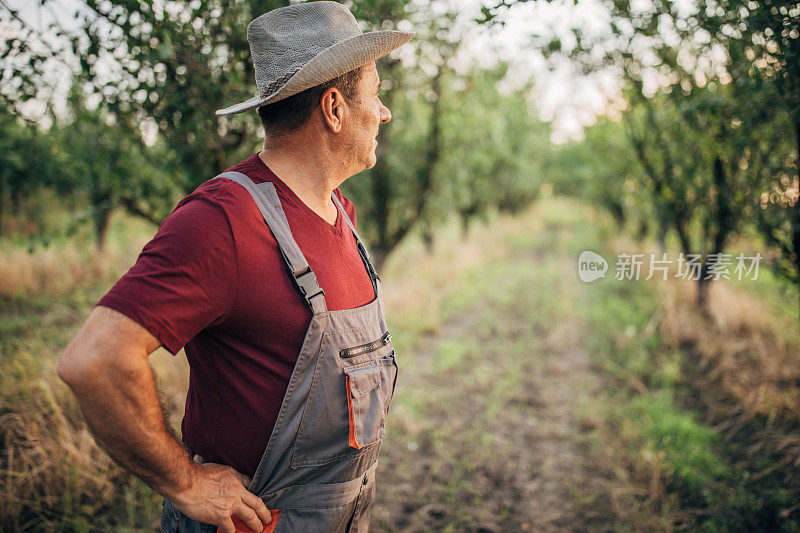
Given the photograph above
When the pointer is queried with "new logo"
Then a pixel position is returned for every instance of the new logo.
(591, 266)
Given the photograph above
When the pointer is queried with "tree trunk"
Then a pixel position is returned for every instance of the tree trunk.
(16, 201)
(434, 152)
(378, 257)
(643, 230)
(101, 223)
(464, 225)
(796, 210)
(662, 238)
(2, 204)
(427, 239)
(702, 294)
(683, 237)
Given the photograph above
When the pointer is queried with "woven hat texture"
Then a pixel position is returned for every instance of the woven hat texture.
(297, 47)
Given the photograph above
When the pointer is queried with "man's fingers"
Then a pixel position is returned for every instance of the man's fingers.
(257, 504)
(249, 517)
(227, 526)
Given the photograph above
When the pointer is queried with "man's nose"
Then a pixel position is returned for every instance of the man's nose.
(386, 115)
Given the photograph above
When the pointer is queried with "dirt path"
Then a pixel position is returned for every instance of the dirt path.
(488, 430)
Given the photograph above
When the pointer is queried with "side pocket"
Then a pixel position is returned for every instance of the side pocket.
(169, 517)
(365, 404)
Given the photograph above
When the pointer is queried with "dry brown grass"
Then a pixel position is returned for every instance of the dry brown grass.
(742, 346)
(747, 373)
(63, 268)
(51, 271)
(738, 372)
(53, 474)
(53, 471)
(51, 464)
(745, 376)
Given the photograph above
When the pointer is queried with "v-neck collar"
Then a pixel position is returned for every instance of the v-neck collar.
(287, 194)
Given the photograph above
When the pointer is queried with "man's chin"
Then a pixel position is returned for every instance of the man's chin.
(367, 164)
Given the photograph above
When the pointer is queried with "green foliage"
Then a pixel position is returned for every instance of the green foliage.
(689, 152)
(107, 166)
(601, 169)
(88, 161)
(172, 66)
(713, 119)
(496, 146)
(178, 63)
(662, 430)
(28, 164)
(456, 145)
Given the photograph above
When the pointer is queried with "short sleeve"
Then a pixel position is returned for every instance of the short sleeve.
(184, 279)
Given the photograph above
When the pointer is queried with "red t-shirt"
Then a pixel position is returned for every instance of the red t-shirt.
(213, 280)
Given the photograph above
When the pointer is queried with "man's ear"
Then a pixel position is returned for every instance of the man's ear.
(332, 107)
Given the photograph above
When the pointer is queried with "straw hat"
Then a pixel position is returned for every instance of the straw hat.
(300, 46)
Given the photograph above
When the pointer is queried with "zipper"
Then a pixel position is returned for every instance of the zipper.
(365, 348)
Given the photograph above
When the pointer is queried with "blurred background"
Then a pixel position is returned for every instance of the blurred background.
(523, 133)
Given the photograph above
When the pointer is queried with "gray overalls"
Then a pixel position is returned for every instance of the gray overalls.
(318, 469)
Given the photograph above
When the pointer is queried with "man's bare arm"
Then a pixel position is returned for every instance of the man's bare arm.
(107, 369)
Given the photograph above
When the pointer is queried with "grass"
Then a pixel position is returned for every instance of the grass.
(702, 410)
(69, 266)
(54, 476)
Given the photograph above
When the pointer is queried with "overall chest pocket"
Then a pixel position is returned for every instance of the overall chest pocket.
(367, 402)
(346, 408)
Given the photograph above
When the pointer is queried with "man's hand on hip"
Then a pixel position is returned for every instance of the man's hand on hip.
(218, 493)
(106, 366)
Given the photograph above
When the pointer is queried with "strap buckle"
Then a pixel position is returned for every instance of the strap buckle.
(308, 285)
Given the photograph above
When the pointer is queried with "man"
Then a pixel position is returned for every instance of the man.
(261, 275)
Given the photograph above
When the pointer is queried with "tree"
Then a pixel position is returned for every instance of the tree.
(456, 145)
(19, 147)
(29, 163)
(748, 54)
(762, 41)
(496, 145)
(689, 151)
(681, 127)
(162, 70)
(398, 191)
(158, 71)
(105, 164)
(602, 170)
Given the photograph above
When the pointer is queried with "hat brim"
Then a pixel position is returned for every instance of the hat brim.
(334, 61)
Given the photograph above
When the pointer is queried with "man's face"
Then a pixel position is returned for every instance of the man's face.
(366, 113)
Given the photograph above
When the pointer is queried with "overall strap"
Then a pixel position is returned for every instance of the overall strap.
(361, 248)
(267, 201)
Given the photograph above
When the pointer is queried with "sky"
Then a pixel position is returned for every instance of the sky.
(566, 99)
(562, 96)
